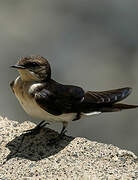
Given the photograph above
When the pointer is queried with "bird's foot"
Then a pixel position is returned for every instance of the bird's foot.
(55, 141)
(62, 133)
(36, 129)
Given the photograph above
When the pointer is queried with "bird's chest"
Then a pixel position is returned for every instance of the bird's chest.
(21, 89)
(23, 92)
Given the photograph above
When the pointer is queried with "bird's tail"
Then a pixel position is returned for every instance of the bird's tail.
(117, 107)
(106, 101)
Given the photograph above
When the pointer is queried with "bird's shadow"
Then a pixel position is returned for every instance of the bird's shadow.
(36, 147)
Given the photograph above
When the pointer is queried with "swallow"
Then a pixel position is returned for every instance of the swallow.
(43, 98)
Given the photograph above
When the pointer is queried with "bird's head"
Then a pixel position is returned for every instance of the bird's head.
(34, 68)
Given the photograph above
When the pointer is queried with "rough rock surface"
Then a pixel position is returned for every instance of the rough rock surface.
(71, 158)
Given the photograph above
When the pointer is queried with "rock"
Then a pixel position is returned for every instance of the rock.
(70, 158)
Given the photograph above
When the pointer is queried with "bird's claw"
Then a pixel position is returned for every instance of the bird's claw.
(56, 140)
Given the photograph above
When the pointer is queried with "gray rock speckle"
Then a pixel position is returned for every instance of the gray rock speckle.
(71, 158)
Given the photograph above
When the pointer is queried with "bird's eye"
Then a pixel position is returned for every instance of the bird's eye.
(31, 64)
(34, 64)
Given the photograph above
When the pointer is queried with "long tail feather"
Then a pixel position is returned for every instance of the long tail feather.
(106, 101)
(117, 107)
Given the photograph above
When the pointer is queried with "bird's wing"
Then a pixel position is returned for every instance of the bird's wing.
(107, 97)
(63, 99)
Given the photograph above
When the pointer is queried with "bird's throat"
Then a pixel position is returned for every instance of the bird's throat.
(27, 75)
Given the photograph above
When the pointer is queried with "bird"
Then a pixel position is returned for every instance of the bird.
(42, 97)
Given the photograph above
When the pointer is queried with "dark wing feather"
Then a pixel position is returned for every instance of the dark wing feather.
(63, 99)
(47, 101)
(107, 97)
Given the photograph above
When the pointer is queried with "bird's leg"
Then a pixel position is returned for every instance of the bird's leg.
(60, 136)
(78, 116)
(63, 130)
(36, 129)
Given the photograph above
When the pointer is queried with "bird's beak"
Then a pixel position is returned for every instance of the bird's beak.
(17, 66)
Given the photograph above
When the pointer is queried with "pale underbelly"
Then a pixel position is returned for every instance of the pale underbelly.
(34, 110)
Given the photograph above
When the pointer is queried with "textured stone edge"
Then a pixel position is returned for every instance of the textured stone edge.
(74, 149)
